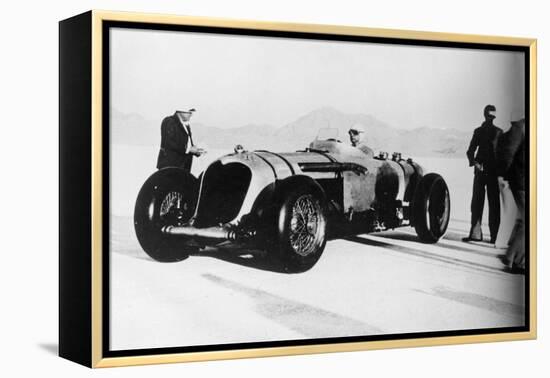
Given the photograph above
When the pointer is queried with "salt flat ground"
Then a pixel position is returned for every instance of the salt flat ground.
(371, 284)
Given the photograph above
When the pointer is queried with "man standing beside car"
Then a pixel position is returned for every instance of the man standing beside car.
(511, 171)
(176, 145)
(482, 156)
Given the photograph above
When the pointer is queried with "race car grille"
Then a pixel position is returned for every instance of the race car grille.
(223, 190)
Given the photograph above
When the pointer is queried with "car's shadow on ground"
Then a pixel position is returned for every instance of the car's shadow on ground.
(418, 251)
(488, 249)
(249, 258)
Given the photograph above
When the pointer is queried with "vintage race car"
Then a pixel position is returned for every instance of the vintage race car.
(288, 204)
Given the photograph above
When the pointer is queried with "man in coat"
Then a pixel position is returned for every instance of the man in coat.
(511, 169)
(356, 139)
(176, 145)
(482, 156)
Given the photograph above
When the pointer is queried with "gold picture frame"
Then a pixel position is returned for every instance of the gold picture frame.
(83, 233)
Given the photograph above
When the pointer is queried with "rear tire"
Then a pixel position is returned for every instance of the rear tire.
(301, 228)
(168, 197)
(431, 208)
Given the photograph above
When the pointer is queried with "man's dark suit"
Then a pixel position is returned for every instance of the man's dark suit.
(173, 144)
(511, 166)
(511, 156)
(482, 150)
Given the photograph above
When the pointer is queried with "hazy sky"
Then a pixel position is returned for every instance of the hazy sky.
(236, 80)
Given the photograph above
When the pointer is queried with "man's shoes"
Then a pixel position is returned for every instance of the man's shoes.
(504, 259)
(469, 239)
(517, 269)
(511, 267)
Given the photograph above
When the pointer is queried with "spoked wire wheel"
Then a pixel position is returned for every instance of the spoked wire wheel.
(167, 198)
(301, 231)
(305, 225)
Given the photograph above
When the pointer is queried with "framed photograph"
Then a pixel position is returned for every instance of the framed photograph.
(235, 189)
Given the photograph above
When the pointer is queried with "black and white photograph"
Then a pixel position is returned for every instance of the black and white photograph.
(277, 188)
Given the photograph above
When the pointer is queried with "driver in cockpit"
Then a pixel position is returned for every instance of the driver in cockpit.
(356, 136)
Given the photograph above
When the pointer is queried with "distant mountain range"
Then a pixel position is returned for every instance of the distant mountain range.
(133, 129)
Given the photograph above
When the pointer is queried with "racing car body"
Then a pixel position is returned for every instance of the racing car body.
(288, 204)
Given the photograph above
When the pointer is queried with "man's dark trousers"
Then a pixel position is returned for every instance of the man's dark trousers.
(485, 183)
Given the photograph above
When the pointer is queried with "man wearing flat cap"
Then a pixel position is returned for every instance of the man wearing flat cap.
(482, 156)
(176, 145)
(356, 139)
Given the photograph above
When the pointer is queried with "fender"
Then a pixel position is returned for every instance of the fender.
(283, 186)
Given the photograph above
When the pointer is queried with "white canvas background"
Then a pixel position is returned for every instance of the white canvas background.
(29, 163)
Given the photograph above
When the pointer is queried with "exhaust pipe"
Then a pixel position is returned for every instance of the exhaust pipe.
(212, 234)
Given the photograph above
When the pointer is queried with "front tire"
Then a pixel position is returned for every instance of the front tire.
(301, 228)
(167, 198)
(431, 208)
